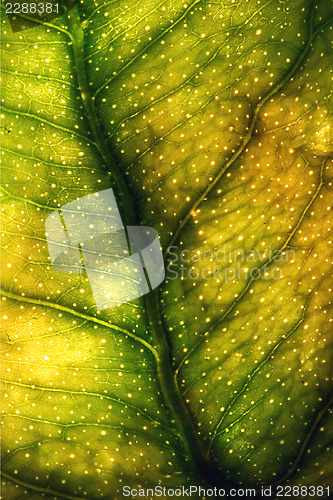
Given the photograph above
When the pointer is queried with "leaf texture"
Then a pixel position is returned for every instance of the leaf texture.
(212, 122)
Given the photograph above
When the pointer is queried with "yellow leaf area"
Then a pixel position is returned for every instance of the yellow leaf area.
(213, 123)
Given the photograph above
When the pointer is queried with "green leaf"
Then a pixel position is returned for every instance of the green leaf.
(212, 123)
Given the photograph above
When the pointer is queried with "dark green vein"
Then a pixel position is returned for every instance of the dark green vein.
(39, 489)
(25, 200)
(167, 377)
(306, 441)
(216, 431)
(40, 77)
(189, 79)
(143, 51)
(249, 283)
(125, 198)
(68, 310)
(87, 425)
(44, 121)
(98, 395)
(169, 389)
(297, 64)
(174, 399)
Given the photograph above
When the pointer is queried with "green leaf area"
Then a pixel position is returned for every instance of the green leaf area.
(212, 123)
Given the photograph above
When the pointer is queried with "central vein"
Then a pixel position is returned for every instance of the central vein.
(165, 373)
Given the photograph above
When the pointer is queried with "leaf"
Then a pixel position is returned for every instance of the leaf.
(212, 123)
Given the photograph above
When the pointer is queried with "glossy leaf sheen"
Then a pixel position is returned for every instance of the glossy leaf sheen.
(212, 122)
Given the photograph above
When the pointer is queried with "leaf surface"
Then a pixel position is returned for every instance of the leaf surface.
(212, 123)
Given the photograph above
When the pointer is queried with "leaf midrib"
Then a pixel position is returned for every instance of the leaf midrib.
(167, 377)
(153, 298)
